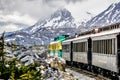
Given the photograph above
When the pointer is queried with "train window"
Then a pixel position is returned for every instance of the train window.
(99, 46)
(112, 27)
(94, 46)
(114, 45)
(107, 50)
(76, 47)
(117, 25)
(102, 46)
(73, 47)
(79, 47)
(107, 46)
(65, 48)
(111, 46)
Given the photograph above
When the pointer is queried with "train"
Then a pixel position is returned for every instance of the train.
(55, 47)
(97, 51)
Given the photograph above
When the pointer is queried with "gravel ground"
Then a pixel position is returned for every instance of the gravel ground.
(78, 76)
(57, 71)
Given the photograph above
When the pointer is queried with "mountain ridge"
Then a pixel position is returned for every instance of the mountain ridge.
(107, 17)
(59, 23)
(62, 22)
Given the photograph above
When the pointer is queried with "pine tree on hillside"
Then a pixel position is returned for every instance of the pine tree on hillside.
(2, 46)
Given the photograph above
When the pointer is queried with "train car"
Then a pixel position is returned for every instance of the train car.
(55, 47)
(81, 51)
(97, 50)
(67, 51)
(105, 50)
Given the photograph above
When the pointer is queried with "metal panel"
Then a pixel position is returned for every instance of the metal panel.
(80, 40)
(105, 61)
(103, 37)
(63, 43)
(66, 56)
(80, 57)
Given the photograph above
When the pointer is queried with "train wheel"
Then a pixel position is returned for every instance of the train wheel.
(92, 69)
(115, 76)
(99, 70)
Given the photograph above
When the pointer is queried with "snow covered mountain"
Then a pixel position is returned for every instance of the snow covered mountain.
(62, 18)
(108, 16)
(59, 23)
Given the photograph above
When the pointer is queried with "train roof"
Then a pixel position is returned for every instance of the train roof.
(111, 29)
(54, 42)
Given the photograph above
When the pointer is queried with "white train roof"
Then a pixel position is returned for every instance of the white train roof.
(54, 42)
(112, 32)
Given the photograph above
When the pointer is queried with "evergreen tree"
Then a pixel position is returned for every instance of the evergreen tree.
(2, 46)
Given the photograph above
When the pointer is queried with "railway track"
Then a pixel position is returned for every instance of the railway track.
(89, 74)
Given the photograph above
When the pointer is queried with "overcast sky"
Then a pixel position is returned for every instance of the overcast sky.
(18, 14)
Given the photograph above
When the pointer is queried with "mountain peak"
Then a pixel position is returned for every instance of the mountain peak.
(64, 13)
(109, 16)
(114, 6)
(117, 5)
(60, 22)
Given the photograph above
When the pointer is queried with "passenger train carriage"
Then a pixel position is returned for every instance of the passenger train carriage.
(97, 50)
(55, 47)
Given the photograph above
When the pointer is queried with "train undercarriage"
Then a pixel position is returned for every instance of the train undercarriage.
(94, 69)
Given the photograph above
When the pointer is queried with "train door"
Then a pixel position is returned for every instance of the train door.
(118, 51)
(71, 53)
(89, 54)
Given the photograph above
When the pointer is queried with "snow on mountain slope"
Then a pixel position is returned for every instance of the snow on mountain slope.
(59, 23)
(108, 16)
(62, 18)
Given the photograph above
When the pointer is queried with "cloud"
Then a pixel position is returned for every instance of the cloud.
(38, 9)
(9, 28)
(67, 1)
(15, 21)
(60, 3)
(17, 18)
(30, 11)
(79, 10)
(74, 1)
